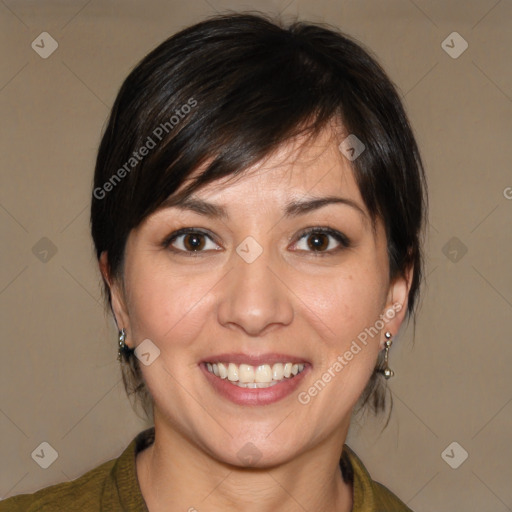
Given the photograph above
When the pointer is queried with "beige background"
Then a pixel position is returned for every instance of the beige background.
(59, 376)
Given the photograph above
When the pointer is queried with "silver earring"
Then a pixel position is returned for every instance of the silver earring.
(122, 345)
(387, 371)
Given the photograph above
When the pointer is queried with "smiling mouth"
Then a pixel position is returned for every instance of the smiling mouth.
(261, 376)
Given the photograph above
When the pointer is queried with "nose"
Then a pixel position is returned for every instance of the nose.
(253, 298)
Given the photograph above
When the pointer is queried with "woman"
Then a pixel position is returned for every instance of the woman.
(257, 211)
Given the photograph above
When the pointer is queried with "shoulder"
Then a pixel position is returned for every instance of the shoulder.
(110, 486)
(82, 494)
(369, 495)
(386, 500)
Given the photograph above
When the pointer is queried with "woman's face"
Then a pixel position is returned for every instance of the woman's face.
(252, 289)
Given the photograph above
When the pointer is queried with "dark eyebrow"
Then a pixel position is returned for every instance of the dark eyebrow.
(295, 208)
(198, 206)
(292, 209)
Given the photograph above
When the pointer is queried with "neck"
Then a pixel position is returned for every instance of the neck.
(176, 475)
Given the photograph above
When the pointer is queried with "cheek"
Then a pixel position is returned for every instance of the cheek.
(167, 306)
(346, 311)
(346, 302)
(346, 307)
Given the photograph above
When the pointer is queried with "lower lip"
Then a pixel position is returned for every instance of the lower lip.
(254, 396)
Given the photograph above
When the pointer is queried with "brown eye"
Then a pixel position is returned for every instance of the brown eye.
(318, 241)
(322, 241)
(193, 242)
(188, 241)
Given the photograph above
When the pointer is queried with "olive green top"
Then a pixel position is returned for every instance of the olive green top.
(113, 486)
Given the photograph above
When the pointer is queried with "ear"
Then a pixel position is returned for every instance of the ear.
(117, 295)
(396, 304)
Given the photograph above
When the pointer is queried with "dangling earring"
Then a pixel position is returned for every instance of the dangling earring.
(122, 346)
(387, 371)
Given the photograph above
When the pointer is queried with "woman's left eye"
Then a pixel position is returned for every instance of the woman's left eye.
(320, 240)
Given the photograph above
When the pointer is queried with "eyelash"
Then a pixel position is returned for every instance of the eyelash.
(339, 237)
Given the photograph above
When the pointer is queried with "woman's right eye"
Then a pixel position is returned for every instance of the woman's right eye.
(190, 242)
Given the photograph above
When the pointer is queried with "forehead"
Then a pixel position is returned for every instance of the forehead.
(301, 166)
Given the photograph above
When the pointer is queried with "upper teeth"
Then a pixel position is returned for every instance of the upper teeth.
(246, 373)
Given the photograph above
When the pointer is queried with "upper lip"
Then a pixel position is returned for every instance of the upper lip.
(254, 360)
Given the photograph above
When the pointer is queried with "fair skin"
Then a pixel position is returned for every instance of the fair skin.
(293, 299)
